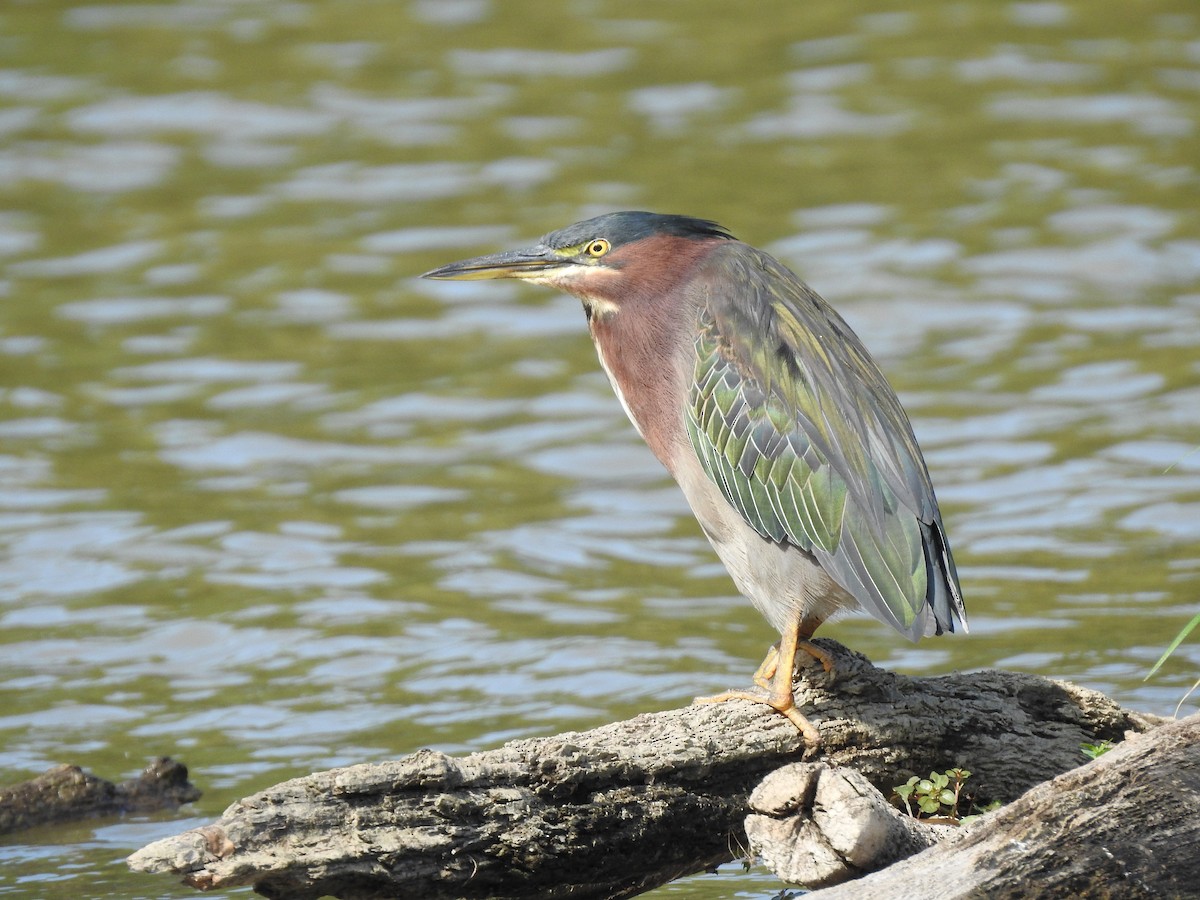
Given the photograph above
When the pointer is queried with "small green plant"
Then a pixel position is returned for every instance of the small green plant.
(938, 795)
(1091, 751)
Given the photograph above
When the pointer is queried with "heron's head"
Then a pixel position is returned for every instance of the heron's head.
(604, 261)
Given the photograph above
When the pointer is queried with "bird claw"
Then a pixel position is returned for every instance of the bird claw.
(784, 706)
(824, 657)
(764, 675)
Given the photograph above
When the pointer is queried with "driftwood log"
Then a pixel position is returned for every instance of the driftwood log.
(617, 810)
(68, 792)
(1124, 826)
(816, 825)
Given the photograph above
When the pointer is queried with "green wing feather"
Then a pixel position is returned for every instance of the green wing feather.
(795, 423)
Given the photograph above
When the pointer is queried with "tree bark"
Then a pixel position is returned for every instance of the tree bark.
(1124, 826)
(819, 825)
(67, 792)
(618, 810)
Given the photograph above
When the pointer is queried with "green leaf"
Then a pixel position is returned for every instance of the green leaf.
(1179, 638)
(1092, 751)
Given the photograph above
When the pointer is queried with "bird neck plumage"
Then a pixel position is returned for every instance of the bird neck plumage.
(639, 361)
(643, 322)
(595, 306)
(645, 356)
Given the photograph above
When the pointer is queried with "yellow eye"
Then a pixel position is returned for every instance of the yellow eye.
(597, 248)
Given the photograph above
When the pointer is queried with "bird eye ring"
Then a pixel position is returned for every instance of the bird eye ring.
(597, 248)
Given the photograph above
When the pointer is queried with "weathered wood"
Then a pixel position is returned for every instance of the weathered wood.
(625, 807)
(68, 792)
(817, 825)
(1124, 826)
(618, 809)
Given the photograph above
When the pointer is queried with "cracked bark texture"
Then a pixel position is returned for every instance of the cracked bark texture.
(623, 808)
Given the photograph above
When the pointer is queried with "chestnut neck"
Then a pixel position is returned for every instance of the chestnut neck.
(642, 317)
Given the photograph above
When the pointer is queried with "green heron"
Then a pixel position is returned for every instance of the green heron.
(791, 447)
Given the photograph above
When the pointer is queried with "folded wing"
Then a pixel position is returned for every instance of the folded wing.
(798, 427)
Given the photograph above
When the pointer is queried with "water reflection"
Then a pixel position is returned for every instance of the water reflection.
(269, 504)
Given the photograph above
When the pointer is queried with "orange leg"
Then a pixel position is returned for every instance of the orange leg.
(775, 676)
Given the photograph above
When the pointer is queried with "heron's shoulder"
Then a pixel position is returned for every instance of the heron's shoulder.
(733, 251)
(741, 265)
(743, 282)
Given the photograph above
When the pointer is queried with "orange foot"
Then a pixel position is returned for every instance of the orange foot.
(775, 677)
(785, 706)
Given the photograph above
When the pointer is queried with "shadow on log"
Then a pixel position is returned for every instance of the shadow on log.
(68, 792)
(623, 808)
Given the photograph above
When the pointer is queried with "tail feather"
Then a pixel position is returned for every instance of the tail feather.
(944, 595)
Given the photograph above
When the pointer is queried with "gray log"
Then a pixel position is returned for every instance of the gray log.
(1124, 826)
(68, 792)
(615, 811)
(817, 825)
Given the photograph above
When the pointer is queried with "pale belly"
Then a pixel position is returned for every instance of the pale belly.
(783, 582)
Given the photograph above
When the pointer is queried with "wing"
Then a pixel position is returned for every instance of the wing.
(798, 427)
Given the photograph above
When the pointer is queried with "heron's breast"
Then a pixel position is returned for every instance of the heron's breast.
(647, 367)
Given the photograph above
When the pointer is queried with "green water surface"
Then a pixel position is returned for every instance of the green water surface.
(269, 504)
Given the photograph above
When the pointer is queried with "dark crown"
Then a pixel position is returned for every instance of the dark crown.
(625, 227)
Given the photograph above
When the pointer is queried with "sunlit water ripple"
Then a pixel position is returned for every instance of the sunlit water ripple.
(269, 504)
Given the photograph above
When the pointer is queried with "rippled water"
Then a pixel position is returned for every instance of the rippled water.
(269, 504)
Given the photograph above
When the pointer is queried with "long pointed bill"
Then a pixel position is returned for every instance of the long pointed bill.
(529, 263)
